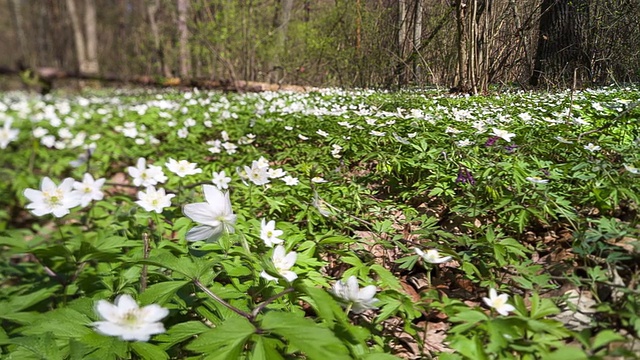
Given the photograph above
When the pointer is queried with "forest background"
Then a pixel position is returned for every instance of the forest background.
(465, 45)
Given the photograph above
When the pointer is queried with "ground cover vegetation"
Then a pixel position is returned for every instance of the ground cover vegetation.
(324, 225)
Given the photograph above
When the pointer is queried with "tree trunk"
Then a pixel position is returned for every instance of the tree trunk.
(183, 31)
(152, 11)
(91, 38)
(402, 40)
(559, 49)
(18, 25)
(417, 39)
(85, 39)
(280, 25)
(462, 85)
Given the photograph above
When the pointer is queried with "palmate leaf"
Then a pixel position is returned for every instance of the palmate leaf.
(43, 346)
(305, 335)
(160, 293)
(148, 351)
(225, 341)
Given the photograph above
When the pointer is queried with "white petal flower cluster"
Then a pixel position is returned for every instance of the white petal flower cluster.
(7, 134)
(220, 180)
(537, 180)
(146, 176)
(260, 172)
(89, 189)
(183, 168)
(126, 320)
(504, 134)
(269, 234)
(432, 256)
(356, 299)
(154, 200)
(498, 302)
(60, 199)
(52, 199)
(215, 216)
(283, 263)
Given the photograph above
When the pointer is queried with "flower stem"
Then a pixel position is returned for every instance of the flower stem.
(221, 301)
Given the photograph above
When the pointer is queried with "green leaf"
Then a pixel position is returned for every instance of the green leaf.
(314, 340)
(567, 353)
(265, 349)
(160, 293)
(22, 302)
(182, 331)
(148, 351)
(43, 346)
(387, 277)
(605, 337)
(225, 341)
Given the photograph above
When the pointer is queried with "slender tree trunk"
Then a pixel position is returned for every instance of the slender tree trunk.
(280, 26)
(91, 38)
(152, 11)
(462, 85)
(417, 38)
(85, 37)
(183, 42)
(402, 40)
(18, 25)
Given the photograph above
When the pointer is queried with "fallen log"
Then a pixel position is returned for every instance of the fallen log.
(45, 76)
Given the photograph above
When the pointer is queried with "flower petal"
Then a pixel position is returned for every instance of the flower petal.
(201, 213)
(203, 232)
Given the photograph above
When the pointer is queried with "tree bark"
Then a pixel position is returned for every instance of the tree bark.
(280, 26)
(183, 10)
(417, 38)
(402, 39)
(559, 49)
(462, 85)
(85, 37)
(18, 25)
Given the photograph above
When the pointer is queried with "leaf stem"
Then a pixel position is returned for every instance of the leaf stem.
(263, 304)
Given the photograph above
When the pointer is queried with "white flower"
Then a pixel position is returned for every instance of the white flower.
(288, 128)
(89, 189)
(591, 147)
(154, 200)
(463, 143)
(183, 133)
(302, 137)
(563, 140)
(269, 234)
(231, 148)
(377, 133)
(537, 180)
(283, 262)
(322, 133)
(221, 180)
(126, 320)
(146, 176)
(52, 199)
(276, 173)
(432, 256)
(257, 174)
(350, 293)
(215, 215)
(318, 180)
(290, 180)
(7, 134)
(504, 134)
(182, 168)
(632, 169)
(498, 302)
